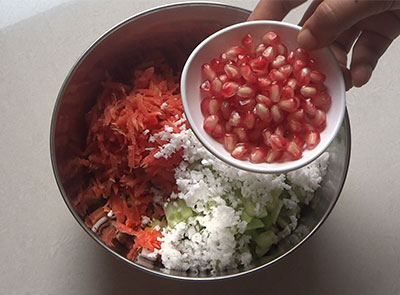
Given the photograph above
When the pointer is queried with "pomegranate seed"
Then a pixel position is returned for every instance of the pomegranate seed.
(247, 42)
(271, 38)
(229, 89)
(286, 70)
(226, 109)
(214, 106)
(247, 73)
(219, 131)
(223, 58)
(217, 65)
(282, 49)
(309, 107)
(291, 57)
(258, 154)
(308, 91)
(280, 130)
(322, 101)
(279, 61)
(241, 59)
(319, 120)
(294, 150)
(297, 139)
(276, 114)
(216, 86)
(210, 122)
(228, 127)
(269, 53)
(260, 49)
(308, 127)
(273, 156)
(298, 65)
(233, 52)
(275, 92)
(297, 115)
(312, 139)
(235, 119)
(262, 111)
(294, 126)
(263, 83)
(278, 143)
(240, 151)
(266, 134)
(204, 106)
(278, 76)
(247, 105)
(255, 135)
(230, 141)
(287, 92)
(259, 64)
(303, 77)
(205, 86)
(241, 133)
(232, 72)
(249, 120)
(291, 82)
(302, 54)
(288, 105)
(246, 91)
(285, 157)
(208, 72)
(223, 78)
(264, 99)
(317, 77)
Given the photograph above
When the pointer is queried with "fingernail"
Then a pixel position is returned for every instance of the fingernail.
(306, 39)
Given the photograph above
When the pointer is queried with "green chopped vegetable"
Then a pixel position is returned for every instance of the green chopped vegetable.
(176, 212)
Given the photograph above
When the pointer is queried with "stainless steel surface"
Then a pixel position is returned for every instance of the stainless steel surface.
(173, 30)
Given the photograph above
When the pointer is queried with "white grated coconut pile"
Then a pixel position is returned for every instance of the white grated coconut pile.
(214, 237)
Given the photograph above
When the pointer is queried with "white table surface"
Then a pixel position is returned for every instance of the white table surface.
(44, 250)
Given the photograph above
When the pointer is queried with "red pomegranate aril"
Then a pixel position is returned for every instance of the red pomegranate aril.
(308, 127)
(235, 119)
(258, 154)
(279, 61)
(297, 139)
(322, 101)
(210, 123)
(278, 76)
(247, 105)
(301, 53)
(208, 72)
(255, 136)
(249, 120)
(217, 65)
(206, 86)
(278, 143)
(214, 106)
(248, 43)
(204, 106)
(264, 99)
(245, 91)
(291, 82)
(233, 52)
(240, 151)
(271, 38)
(241, 134)
(273, 156)
(241, 59)
(226, 109)
(317, 77)
(286, 70)
(276, 114)
(294, 126)
(275, 93)
(288, 105)
(303, 76)
(287, 92)
(298, 115)
(266, 134)
(223, 78)
(319, 120)
(260, 49)
(228, 127)
(230, 141)
(259, 64)
(308, 91)
(247, 73)
(229, 89)
(282, 49)
(298, 65)
(263, 83)
(216, 86)
(312, 139)
(232, 72)
(280, 130)
(262, 111)
(294, 150)
(269, 54)
(223, 58)
(291, 57)
(309, 108)
(219, 131)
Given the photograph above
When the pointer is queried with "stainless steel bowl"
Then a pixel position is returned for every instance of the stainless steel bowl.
(174, 30)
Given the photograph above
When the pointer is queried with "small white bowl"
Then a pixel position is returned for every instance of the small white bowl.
(222, 40)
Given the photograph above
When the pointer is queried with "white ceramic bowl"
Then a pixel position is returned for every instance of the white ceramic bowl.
(222, 40)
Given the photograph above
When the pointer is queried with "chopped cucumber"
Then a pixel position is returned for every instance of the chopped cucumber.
(250, 208)
(245, 217)
(177, 211)
(267, 221)
(276, 193)
(161, 223)
(299, 192)
(283, 221)
(255, 223)
(264, 241)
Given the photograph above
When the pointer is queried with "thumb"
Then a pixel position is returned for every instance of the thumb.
(333, 17)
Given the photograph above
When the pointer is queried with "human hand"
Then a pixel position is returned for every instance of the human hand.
(370, 26)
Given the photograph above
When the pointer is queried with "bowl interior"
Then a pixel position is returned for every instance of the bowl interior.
(163, 31)
(221, 41)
